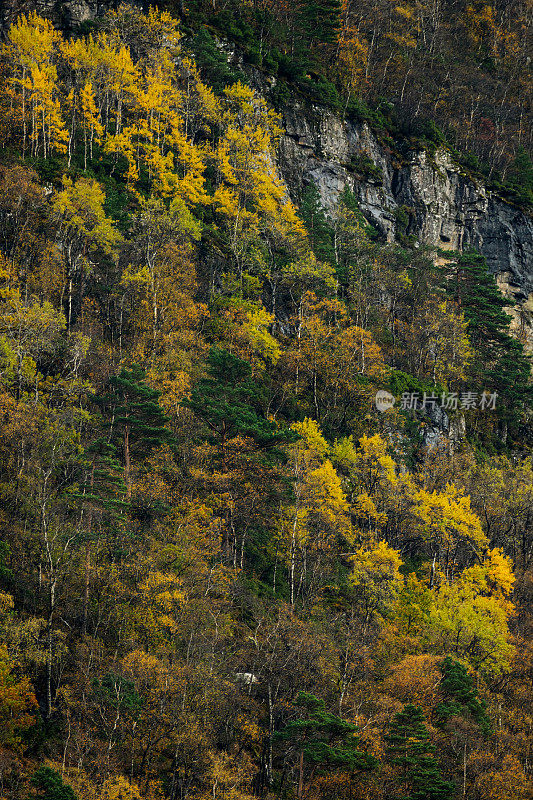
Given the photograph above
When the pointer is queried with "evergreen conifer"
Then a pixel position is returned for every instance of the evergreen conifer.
(410, 749)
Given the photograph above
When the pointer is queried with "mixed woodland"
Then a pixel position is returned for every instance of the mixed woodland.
(224, 573)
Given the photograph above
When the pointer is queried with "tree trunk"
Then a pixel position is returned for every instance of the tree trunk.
(270, 736)
(464, 771)
(301, 776)
(127, 469)
(88, 558)
(50, 648)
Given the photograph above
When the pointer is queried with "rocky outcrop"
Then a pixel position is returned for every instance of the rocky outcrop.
(66, 14)
(428, 197)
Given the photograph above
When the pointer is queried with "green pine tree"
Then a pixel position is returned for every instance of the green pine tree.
(318, 227)
(320, 20)
(213, 63)
(476, 292)
(501, 365)
(521, 176)
(102, 492)
(50, 785)
(409, 748)
(323, 740)
(138, 425)
(461, 696)
(103, 485)
(229, 402)
(354, 251)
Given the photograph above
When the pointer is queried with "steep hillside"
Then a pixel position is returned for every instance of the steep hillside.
(266, 480)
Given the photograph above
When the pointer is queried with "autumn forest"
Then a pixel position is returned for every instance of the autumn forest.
(225, 573)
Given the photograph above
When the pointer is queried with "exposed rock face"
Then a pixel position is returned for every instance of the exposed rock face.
(438, 204)
(67, 14)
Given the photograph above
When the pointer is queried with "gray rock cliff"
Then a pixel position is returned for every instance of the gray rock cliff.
(444, 207)
(66, 14)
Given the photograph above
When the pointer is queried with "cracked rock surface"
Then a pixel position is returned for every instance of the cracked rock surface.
(444, 207)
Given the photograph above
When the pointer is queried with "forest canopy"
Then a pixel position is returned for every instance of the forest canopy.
(224, 572)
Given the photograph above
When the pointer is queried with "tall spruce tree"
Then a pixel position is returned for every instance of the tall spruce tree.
(521, 176)
(137, 421)
(323, 740)
(410, 749)
(321, 20)
(460, 695)
(103, 485)
(229, 402)
(501, 364)
(102, 493)
(319, 229)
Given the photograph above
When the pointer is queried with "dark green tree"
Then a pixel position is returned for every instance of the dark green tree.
(102, 487)
(318, 227)
(461, 697)
(500, 365)
(138, 424)
(320, 20)
(521, 176)
(323, 741)
(118, 692)
(246, 448)
(474, 289)
(409, 747)
(230, 402)
(354, 250)
(50, 785)
(213, 63)
(100, 495)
